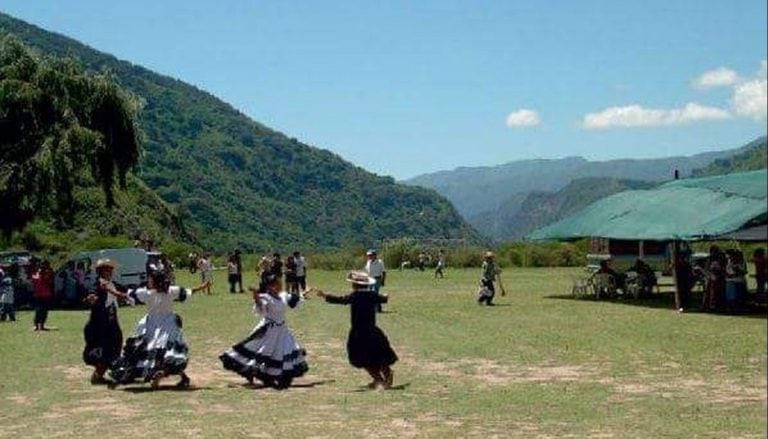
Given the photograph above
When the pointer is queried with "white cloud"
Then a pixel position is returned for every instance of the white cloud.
(750, 98)
(718, 77)
(523, 118)
(638, 116)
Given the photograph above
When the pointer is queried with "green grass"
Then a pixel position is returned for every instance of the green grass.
(540, 364)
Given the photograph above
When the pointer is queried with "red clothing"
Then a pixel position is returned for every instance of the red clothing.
(42, 282)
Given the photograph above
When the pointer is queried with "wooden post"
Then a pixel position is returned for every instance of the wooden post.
(675, 253)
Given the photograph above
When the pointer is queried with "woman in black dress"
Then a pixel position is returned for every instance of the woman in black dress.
(103, 337)
(367, 346)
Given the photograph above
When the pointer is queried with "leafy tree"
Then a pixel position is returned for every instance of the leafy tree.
(59, 127)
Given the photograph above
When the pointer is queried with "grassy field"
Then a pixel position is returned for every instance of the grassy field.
(538, 365)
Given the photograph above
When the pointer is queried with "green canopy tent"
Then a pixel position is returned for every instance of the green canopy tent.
(688, 209)
(680, 210)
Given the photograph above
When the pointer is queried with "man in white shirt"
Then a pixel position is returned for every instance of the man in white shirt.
(301, 270)
(374, 267)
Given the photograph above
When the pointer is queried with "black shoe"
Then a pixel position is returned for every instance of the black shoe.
(183, 383)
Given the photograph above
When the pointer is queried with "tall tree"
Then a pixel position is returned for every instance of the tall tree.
(59, 127)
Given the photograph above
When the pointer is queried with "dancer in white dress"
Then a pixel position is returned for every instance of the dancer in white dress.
(270, 353)
(157, 347)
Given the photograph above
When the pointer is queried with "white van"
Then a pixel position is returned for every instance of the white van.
(131, 271)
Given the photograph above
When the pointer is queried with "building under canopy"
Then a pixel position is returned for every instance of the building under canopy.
(680, 210)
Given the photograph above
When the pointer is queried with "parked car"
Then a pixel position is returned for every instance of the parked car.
(78, 274)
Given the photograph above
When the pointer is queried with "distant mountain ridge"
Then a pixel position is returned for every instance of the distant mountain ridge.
(516, 220)
(477, 189)
(235, 182)
(490, 197)
(520, 215)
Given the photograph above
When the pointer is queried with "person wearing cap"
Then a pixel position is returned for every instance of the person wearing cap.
(367, 346)
(103, 336)
(270, 353)
(489, 273)
(157, 347)
(374, 267)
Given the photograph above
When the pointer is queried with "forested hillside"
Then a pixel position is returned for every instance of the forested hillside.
(753, 157)
(235, 182)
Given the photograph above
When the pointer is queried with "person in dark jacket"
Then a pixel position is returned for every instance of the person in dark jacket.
(367, 346)
(102, 333)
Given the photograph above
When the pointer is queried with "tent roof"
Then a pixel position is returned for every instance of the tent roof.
(681, 209)
(756, 234)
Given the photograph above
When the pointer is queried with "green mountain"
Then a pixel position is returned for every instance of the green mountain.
(753, 157)
(520, 217)
(478, 189)
(235, 182)
(490, 196)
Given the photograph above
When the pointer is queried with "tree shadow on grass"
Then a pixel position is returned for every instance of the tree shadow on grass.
(666, 300)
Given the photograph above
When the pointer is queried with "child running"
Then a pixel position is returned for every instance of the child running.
(157, 348)
(367, 346)
(270, 353)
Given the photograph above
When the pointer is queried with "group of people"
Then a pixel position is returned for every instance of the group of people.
(723, 275)
(270, 353)
(37, 277)
(293, 270)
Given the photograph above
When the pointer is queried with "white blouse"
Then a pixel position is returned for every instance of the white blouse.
(272, 308)
(160, 303)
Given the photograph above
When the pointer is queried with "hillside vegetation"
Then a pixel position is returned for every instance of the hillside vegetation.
(754, 157)
(235, 182)
(537, 209)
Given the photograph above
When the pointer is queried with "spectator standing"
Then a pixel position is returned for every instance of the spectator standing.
(276, 266)
(232, 273)
(374, 267)
(206, 272)
(42, 284)
(291, 283)
(301, 270)
(735, 280)
(239, 262)
(7, 307)
(440, 265)
(761, 269)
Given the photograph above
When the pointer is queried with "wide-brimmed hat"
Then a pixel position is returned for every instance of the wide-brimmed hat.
(106, 262)
(360, 278)
(370, 252)
(489, 255)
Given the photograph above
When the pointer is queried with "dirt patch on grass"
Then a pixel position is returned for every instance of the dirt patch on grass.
(20, 399)
(490, 372)
(107, 406)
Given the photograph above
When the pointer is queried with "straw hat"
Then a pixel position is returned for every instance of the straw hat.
(360, 278)
(105, 262)
(489, 255)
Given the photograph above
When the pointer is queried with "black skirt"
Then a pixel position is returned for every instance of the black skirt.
(369, 347)
(103, 336)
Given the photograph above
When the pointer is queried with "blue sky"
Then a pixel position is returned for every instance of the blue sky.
(404, 87)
